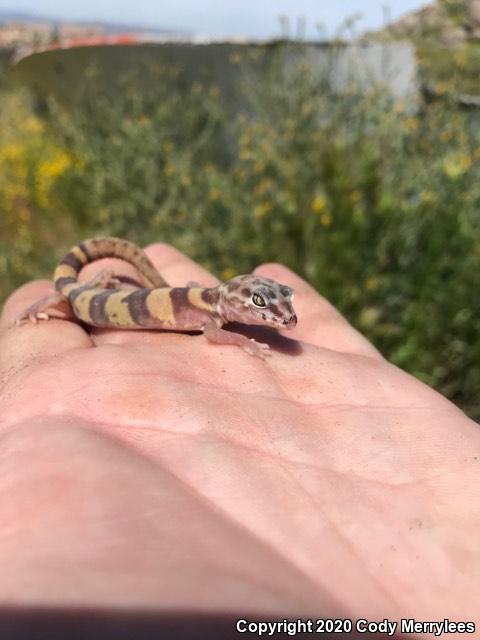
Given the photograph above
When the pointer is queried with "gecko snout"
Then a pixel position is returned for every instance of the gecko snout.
(291, 321)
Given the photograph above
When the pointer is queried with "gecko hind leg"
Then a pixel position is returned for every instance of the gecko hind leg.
(55, 305)
(105, 280)
(52, 306)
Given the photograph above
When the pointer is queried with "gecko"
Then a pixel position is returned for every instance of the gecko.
(102, 302)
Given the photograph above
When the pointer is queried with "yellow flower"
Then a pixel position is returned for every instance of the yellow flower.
(244, 140)
(456, 164)
(186, 180)
(259, 166)
(228, 273)
(411, 124)
(13, 151)
(355, 196)
(369, 317)
(214, 91)
(33, 124)
(103, 214)
(460, 59)
(465, 162)
(307, 109)
(446, 135)
(170, 169)
(372, 283)
(427, 196)
(262, 187)
(261, 210)
(196, 88)
(440, 88)
(54, 167)
(326, 219)
(167, 146)
(21, 171)
(319, 204)
(235, 58)
(214, 194)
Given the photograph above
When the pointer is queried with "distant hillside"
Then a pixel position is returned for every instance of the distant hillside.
(15, 16)
(446, 36)
(8, 16)
(448, 23)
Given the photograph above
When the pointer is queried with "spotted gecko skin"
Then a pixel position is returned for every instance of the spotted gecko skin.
(248, 299)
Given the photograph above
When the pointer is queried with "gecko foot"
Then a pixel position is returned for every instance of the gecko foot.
(39, 315)
(52, 306)
(258, 349)
(220, 336)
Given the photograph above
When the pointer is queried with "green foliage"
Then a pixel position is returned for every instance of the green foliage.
(450, 72)
(375, 204)
(454, 9)
(31, 163)
(139, 153)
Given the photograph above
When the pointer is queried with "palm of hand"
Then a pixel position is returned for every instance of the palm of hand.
(158, 470)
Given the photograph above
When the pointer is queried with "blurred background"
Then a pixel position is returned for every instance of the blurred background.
(346, 146)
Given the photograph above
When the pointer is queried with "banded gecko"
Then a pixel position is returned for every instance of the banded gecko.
(102, 302)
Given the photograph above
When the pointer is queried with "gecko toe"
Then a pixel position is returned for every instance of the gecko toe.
(258, 349)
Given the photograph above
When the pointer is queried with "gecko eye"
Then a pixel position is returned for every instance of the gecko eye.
(258, 301)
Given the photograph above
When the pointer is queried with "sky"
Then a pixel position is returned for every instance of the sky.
(254, 18)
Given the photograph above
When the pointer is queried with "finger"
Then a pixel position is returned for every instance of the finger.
(20, 345)
(319, 323)
(176, 268)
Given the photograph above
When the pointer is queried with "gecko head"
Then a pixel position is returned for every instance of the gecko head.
(255, 300)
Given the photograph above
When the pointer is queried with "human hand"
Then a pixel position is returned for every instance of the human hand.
(147, 469)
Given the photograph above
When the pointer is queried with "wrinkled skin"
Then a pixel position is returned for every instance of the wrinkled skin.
(143, 469)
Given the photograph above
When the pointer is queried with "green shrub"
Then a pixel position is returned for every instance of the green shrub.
(31, 164)
(375, 203)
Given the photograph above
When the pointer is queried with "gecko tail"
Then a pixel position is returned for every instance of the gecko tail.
(66, 273)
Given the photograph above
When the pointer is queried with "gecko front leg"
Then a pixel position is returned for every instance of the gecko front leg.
(216, 335)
